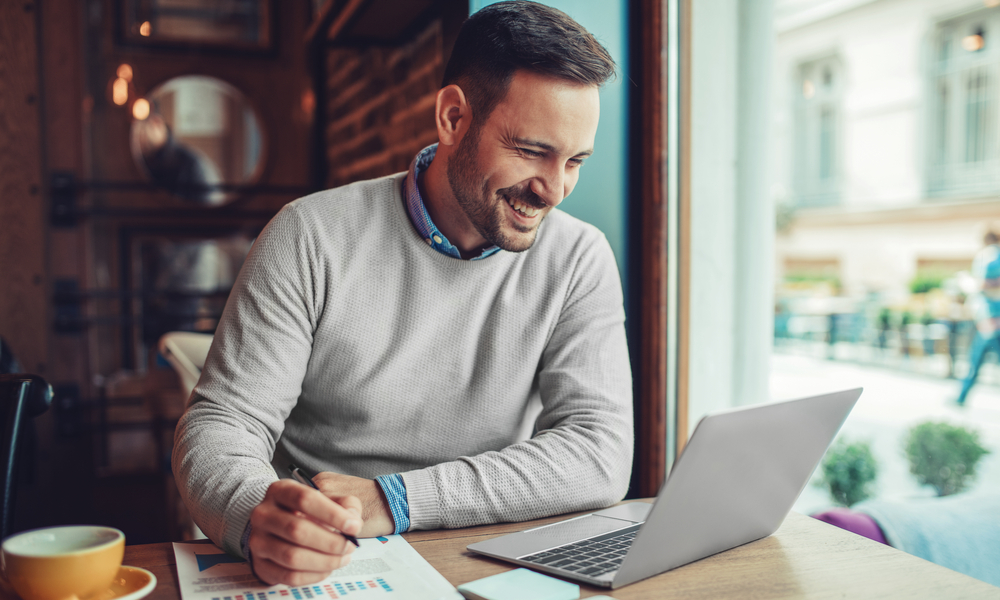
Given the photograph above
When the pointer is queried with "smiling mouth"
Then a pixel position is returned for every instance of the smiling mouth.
(522, 208)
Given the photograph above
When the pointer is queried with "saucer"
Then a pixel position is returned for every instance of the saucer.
(131, 583)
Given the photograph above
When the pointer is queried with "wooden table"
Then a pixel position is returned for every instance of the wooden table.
(805, 558)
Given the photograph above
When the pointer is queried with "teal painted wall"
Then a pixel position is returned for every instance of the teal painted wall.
(601, 196)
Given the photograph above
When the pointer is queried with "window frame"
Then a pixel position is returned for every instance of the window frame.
(813, 99)
(950, 173)
(660, 68)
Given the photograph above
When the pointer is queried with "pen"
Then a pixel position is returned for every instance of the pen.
(301, 476)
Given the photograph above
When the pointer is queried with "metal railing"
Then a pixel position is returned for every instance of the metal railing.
(939, 348)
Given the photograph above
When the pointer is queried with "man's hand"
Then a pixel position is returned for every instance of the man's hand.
(374, 507)
(293, 539)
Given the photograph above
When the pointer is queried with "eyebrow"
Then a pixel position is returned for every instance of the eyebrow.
(547, 147)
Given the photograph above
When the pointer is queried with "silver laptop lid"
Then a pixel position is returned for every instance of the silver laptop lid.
(735, 482)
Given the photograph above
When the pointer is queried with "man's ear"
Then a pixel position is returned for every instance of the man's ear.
(452, 115)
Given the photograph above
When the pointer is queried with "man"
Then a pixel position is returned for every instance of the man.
(985, 309)
(391, 333)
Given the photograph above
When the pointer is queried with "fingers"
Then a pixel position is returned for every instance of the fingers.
(351, 504)
(292, 540)
(297, 529)
(341, 512)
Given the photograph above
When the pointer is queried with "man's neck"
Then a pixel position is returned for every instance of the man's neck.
(444, 210)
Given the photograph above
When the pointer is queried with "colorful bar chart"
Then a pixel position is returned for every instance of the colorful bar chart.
(333, 590)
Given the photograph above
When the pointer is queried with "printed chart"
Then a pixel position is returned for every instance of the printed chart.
(386, 567)
(315, 592)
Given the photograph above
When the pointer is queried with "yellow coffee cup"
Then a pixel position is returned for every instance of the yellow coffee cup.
(63, 563)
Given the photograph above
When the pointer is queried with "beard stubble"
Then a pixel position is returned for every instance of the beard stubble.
(483, 209)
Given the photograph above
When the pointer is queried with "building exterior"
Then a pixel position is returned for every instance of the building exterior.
(886, 138)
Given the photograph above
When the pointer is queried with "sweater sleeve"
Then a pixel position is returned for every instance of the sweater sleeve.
(225, 440)
(581, 456)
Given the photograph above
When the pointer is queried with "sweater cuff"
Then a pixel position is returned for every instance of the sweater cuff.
(237, 518)
(395, 493)
(422, 497)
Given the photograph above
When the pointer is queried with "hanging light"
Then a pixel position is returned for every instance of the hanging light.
(125, 71)
(119, 91)
(145, 29)
(140, 109)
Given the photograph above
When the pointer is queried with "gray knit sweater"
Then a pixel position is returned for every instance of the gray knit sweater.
(350, 345)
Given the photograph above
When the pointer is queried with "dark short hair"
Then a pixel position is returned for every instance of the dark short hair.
(505, 37)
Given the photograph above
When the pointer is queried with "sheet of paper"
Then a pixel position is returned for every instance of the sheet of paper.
(382, 567)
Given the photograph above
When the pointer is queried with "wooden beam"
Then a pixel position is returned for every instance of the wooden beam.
(23, 298)
(650, 75)
(69, 248)
(683, 245)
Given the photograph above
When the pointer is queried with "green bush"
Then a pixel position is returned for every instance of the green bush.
(944, 456)
(849, 470)
(810, 277)
(926, 281)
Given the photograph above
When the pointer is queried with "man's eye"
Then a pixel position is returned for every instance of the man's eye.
(531, 153)
(576, 162)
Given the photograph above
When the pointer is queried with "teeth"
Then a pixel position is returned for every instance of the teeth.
(528, 211)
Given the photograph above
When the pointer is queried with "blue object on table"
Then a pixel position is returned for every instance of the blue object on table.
(960, 532)
(520, 584)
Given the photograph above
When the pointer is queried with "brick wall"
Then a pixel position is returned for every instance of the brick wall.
(380, 105)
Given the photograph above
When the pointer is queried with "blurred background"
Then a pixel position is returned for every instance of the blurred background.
(840, 174)
(885, 124)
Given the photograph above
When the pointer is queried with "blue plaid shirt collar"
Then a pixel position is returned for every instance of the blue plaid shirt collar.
(418, 211)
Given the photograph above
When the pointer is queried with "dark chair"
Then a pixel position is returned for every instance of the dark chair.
(22, 397)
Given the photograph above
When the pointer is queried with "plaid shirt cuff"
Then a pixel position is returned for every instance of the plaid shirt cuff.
(245, 544)
(395, 492)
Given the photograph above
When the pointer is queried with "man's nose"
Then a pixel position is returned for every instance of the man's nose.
(550, 185)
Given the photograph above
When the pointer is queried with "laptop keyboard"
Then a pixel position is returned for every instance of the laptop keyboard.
(592, 557)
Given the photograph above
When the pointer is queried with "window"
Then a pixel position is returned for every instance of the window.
(817, 132)
(965, 128)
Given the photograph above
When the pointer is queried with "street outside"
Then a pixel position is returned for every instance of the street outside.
(893, 401)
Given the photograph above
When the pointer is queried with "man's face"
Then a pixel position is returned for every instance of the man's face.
(510, 171)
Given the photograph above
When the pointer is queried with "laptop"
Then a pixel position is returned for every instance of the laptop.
(734, 483)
